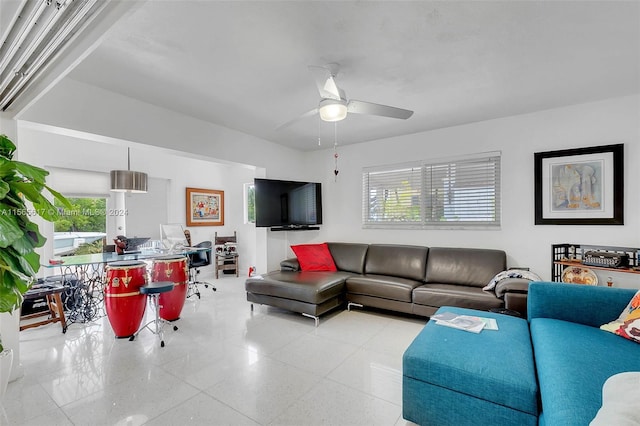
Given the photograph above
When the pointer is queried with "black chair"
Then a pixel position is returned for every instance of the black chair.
(199, 259)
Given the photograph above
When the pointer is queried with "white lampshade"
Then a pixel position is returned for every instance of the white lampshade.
(333, 110)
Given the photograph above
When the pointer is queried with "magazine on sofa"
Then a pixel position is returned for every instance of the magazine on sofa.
(465, 322)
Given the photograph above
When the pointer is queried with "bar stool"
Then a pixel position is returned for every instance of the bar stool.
(153, 290)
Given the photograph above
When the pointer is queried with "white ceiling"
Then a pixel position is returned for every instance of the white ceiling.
(243, 64)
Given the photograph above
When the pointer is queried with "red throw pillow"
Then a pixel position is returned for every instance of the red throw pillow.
(314, 257)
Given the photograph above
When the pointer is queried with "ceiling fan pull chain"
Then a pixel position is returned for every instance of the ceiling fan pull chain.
(319, 121)
(335, 150)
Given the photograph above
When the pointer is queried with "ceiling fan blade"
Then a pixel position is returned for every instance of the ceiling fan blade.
(295, 120)
(326, 82)
(361, 107)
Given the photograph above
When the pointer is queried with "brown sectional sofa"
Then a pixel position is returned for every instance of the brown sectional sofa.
(402, 278)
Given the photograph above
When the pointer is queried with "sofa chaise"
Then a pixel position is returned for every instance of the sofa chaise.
(549, 370)
(402, 278)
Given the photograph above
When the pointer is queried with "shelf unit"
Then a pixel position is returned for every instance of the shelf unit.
(564, 255)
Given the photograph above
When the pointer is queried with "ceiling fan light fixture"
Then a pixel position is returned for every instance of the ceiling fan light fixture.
(333, 109)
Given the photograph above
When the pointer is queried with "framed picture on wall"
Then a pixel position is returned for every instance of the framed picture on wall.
(582, 186)
(205, 207)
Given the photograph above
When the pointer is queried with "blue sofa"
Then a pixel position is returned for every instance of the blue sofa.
(546, 370)
(573, 356)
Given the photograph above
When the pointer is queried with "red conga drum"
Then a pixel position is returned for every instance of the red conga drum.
(174, 269)
(123, 301)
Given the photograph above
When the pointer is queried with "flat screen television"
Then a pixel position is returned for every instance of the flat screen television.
(288, 205)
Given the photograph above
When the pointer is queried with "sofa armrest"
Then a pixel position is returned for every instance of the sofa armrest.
(514, 293)
(516, 302)
(589, 305)
(512, 285)
(290, 264)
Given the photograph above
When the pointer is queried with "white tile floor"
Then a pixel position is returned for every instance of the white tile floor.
(225, 365)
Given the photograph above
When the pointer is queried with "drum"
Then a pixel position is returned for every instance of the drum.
(174, 269)
(123, 301)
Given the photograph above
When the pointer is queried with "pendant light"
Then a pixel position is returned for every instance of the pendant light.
(128, 180)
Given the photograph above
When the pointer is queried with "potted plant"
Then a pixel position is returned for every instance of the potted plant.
(6, 361)
(21, 198)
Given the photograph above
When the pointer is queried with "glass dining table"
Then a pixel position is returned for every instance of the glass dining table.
(84, 279)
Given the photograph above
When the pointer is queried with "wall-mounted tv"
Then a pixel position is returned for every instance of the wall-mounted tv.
(288, 205)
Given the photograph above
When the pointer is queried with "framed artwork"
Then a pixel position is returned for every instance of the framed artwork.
(581, 186)
(205, 207)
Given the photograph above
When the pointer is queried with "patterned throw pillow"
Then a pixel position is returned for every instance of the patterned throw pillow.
(628, 323)
(314, 257)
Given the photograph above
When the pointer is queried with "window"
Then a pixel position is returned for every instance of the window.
(458, 193)
(85, 215)
(80, 229)
(249, 203)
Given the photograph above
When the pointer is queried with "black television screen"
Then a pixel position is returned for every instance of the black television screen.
(287, 204)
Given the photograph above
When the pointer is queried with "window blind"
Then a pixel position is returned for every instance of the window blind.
(457, 193)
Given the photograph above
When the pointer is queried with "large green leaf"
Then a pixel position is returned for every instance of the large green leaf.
(10, 295)
(16, 263)
(33, 259)
(45, 209)
(33, 173)
(7, 148)
(61, 199)
(10, 229)
(31, 239)
(29, 190)
(6, 167)
(24, 244)
(34, 233)
(4, 189)
(13, 199)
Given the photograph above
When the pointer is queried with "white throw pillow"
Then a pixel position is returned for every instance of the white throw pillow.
(620, 396)
(512, 273)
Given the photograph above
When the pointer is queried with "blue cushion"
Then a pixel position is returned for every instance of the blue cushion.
(573, 362)
(577, 303)
(495, 366)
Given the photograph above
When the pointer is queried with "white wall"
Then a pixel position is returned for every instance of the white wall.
(144, 212)
(599, 123)
(168, 172)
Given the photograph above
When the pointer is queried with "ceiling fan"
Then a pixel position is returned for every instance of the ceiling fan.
(334, 104)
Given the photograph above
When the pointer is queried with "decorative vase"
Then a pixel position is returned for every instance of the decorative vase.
(10, 334)
(6, 359)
